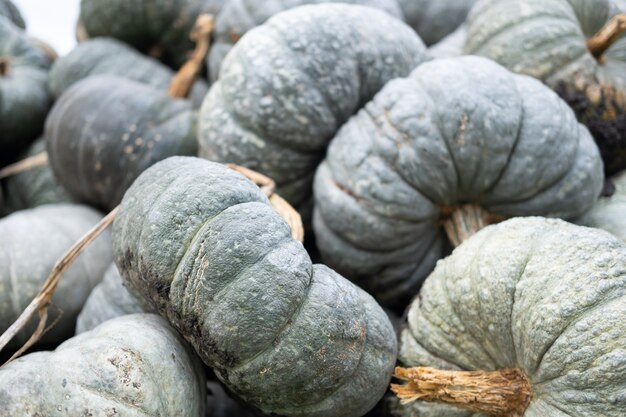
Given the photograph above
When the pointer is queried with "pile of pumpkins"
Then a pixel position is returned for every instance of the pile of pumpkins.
(459, 167)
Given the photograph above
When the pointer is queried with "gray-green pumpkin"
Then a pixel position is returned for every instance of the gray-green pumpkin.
(451, 46)
(457, 131)
(32, 242)
(542, 296)
(159, 28)
(24, 98)
(237, 17)
(287, 87)
(107, 56)
(133, 366)
(104, 131)
(108, 300)
(203, 246)
(434, 19)
(609, 213)
(548, 40)
(8, 9)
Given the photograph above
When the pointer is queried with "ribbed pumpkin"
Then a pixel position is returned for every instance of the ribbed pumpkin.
(287, 87)
(203, 246)
(457, 132)
(434, 19)
(550, 40)
(538, 308)
(609, 213)
(32, 241)
(133, 366)
(8, 9)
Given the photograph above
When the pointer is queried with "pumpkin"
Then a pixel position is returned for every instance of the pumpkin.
(202, 245)
(108, 300)
(8, 9)
(133, 366)
(288, 86)
(237, 17)
(552, 41)
(159, 28)
(34, 187)
(535, 307)
(434, 19)
(104, 131)
(106, 56)
(457, 132)
(23, 93)
(32, 241)
(452, 45)
(609, 213)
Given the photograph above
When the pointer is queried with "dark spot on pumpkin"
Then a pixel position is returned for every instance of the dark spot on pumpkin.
(64, 383)
(5, 66)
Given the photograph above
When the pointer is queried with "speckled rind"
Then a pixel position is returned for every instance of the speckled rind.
(104, 131)
(434, 19)
(609, 213)
(32, 242)
(288, 86)
(541, 295)
(202, 244)
(8, 9)
(132, 366)
(457, 131)
(107, 56)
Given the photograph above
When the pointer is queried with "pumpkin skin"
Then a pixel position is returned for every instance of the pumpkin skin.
(132, 366)
(451, 46)
(288, 85)
(8, 9)
(609, 213)
(211, 255)
(24, 98)
(434, 19)
(160, 27)
(540, 295)
(237, 17)
(457, 131)
(104, 131)
(107, 56)
(32, 241)
(548, 40)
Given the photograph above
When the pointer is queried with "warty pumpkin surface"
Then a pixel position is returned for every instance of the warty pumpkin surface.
(287, 87)
(104, 131)
(455, 132)
(202, 245)
(539, 295)
(32, 242)
(8, 9)
(549, 41)
(133, 366)
(609, 213)
(434, 19)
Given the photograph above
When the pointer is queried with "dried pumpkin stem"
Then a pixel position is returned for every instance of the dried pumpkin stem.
(24, 165)
(464, 221)
(41, 302)
(5, 66)
(502, 393)
(185, 77)
(611, 32)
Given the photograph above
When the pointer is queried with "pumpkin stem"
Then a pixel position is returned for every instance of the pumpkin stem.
(24, 165)
(502, 393)
(182, 82)
(5, 66)
(463, 222)
(607, 36)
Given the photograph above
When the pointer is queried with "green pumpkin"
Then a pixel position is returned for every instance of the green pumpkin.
(133, 366)
(548, 40)
(8, 9)
(237, 17)
(542, 296)
(160, 28)
(106, 56)
(32, 242)
(24, 98)
(457, 131)
(104, 131)
(609, 213)
(287, 87)
(434, 19)
(203, 246)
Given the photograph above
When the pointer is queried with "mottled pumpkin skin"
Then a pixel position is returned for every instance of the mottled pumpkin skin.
(8, 9)
(237, 17)
(158, 27)
(609, 213)
(457, 131)
(104, 131)
(32, 241)
(107, 56)
(434, 19)
(540, 295)
(203, 246)
(108, 300)
(133, 366)
(24, 98)
(548, 40)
